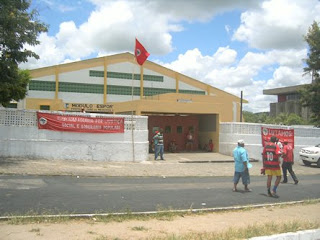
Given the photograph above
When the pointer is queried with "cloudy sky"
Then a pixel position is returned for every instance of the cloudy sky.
(246, 45)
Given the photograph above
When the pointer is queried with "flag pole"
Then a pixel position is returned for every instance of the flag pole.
(141, 55)
(132, 132)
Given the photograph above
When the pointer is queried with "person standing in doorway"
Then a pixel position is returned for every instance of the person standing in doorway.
(241, 163)
(271, 165)
(288, 160)
(158, 145)
(189, 145)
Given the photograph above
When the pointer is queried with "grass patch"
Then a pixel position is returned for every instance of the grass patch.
(35, 217)
(245, 233)
(35, 230)
(106, 238)
(139, 228)
(38, 219)
(162, 214)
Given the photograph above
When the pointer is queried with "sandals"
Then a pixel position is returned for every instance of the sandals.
(273, 194)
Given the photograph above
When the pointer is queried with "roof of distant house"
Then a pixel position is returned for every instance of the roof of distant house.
(283, 90)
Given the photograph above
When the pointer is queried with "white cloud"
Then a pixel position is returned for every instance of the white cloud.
(48, 51)
(224, 71)
(276, 26)
(279, 24)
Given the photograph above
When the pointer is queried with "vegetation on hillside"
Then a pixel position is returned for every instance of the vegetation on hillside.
(282, 119)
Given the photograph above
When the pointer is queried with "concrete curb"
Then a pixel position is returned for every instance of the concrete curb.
(219, 209)
(300, 235)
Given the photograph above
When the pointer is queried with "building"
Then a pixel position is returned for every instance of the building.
(118, 85)
(288, 101)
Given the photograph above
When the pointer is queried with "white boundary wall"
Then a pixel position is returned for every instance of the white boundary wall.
(20, 137)
(230, 133)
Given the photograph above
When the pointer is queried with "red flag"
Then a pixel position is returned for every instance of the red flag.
(140, 53)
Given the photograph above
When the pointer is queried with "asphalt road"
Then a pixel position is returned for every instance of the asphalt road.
(21, 195)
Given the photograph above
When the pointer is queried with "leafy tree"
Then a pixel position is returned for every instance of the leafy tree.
(255, 117)
(294, 119)
(249, 117)
(282, 118)
(310, 94)
(18, 29)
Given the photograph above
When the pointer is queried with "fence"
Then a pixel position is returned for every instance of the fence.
(20, 137)
(230, 133)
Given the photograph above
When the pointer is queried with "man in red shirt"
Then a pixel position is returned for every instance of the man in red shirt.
(271, 165)
(288, 160)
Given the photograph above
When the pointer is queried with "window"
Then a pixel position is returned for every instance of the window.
(179, 129)
(167, 129)
(12, 105)
(44, 107)
(37, 85)
(121, 75)
(293, 97)
(154, 129)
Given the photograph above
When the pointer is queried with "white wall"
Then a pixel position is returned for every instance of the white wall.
(20, 137)
(230, 133)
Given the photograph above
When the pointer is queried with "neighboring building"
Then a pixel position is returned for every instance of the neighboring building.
(288, 101)
(118, 85)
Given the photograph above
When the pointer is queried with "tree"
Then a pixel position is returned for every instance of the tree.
(282, 118)
(310, 94)
(294, 119)
(255, 117)
(18, 29)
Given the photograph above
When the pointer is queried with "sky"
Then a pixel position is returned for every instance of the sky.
(246, 45)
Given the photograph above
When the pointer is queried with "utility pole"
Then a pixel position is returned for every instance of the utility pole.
(241, 107)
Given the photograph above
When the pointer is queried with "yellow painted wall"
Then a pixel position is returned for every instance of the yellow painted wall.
(216, 102)
(204, 138)
(34, 103)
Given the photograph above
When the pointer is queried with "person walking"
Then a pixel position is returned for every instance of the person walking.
(288, 160)
(158, 145)
(241, 163)
(271, 165)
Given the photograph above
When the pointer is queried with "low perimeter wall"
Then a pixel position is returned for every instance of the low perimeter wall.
(20, 137)
(230, 133)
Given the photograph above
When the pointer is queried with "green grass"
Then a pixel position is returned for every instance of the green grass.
(256, 230)
(162, 214)
(245, 233)
(139, 228)
(35, 230)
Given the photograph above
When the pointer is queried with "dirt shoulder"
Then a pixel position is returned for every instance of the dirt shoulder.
(134, 229)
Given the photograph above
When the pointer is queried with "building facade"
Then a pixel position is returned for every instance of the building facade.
(288, 101)
(118, 85)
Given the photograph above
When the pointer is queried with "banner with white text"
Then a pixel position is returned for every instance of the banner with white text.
(283, 135)
(77, 123)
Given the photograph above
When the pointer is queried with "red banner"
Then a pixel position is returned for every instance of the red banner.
(282, 134)
(78, 123)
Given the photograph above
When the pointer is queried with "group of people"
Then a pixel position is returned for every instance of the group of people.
(272, 153)
(158, 144)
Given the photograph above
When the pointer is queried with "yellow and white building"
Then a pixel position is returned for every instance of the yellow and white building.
(118, 85)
